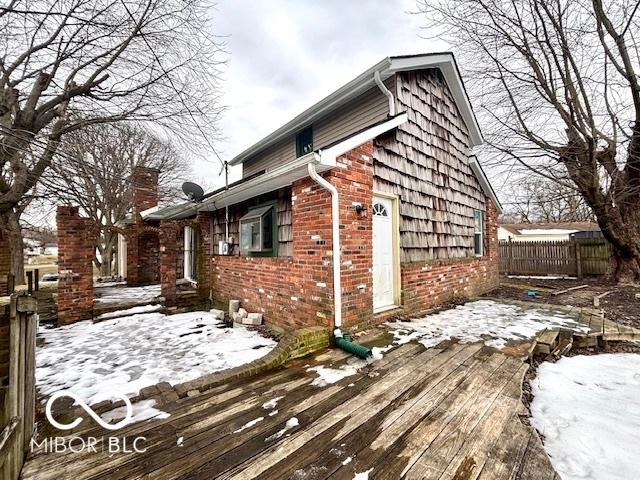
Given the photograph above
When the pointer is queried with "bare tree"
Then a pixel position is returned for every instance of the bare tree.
(95, 173)
(542, 200)
(559, 94)
(69, 64)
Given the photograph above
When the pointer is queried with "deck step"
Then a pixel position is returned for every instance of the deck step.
(547, 341)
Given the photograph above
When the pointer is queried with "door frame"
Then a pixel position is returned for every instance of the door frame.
(395, 248)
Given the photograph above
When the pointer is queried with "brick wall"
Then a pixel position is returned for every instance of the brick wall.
(428, 284)
(5, 264)
(145, 188)
(143, 254)
(169, 232)
(297, 292)
(76, 237)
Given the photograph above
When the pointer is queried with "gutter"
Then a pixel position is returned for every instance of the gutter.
(335, 242)
(329, 157)
(385, 90)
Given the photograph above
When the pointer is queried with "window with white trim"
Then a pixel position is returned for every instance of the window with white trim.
(478, 233)
(190, 263)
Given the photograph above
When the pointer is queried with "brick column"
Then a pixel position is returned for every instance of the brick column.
(75, 265)
(168, 261)
(355, 185)
(145, 188)
(312, 239)
(131, 237)
(5, 264)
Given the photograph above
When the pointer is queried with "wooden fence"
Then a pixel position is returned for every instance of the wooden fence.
(17, 391)
(584, 256)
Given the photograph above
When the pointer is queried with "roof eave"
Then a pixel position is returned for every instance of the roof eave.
(357, 85)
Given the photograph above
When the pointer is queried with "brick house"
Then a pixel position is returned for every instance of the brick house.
(375, 189)
(416, 217)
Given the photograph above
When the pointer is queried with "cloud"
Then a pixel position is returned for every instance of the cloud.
(287, 55)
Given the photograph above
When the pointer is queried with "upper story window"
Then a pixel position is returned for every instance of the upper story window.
(256, 230)
(304, 141)
(478, 233)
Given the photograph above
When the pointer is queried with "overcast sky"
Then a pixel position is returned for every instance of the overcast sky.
(287, 55)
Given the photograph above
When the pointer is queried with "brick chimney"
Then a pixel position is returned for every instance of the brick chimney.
(145, 188)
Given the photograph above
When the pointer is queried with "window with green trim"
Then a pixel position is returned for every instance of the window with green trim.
(478, 233)
(304, 141)
(258, 231)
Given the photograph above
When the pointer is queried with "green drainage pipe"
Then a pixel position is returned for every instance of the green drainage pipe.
(352, 347)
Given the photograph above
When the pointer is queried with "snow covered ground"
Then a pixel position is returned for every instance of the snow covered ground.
(121, 356)
(495, 323)
(119, 294)
(588, 409)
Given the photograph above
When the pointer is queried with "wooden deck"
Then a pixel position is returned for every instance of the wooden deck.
(449, 412)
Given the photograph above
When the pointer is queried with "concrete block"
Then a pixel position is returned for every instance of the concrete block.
(237, 317)
(234, 306)
(243, 313)
(218, 314)
(253, 319)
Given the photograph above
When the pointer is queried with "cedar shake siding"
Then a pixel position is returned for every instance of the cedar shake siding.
(426, 163)
(282, 204)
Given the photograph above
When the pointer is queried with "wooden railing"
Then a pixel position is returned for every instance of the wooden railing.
(578, 257)
(17, 393)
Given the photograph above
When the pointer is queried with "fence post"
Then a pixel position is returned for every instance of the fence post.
(578, 258)
(19, 401)
(510, 258)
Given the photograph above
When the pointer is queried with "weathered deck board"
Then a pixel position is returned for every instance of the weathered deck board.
(445, 412)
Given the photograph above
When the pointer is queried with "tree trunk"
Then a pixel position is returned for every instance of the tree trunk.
(10, 222)
(620, 225)
(106, 248)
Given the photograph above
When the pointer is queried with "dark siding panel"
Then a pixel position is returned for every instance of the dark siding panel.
(369, 108)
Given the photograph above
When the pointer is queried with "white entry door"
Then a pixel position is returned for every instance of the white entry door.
(383, 294)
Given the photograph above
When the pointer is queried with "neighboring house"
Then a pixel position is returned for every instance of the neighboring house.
(50, 249)
(547, 232)
(375, 188)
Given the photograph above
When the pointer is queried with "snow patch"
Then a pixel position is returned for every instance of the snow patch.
(273, 403)
(485, 320)
(328, 375)
(249, 424)
(346, 461)
(291, 423)
(129, 311)
(362, 475)
(124, 355)
(142, 410)
(588, 409)
(114, 294)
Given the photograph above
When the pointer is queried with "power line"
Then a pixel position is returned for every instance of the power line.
(195, 122)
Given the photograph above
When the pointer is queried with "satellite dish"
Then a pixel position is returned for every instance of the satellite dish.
(193, 191)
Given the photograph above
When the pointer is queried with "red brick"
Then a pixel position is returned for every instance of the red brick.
(76, 236)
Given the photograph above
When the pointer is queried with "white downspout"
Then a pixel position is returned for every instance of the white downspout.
(335, 231)
(385, 90)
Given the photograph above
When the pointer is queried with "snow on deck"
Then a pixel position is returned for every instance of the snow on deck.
(588, 410)
(493, 322)
(121, 356)
(121, 294)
